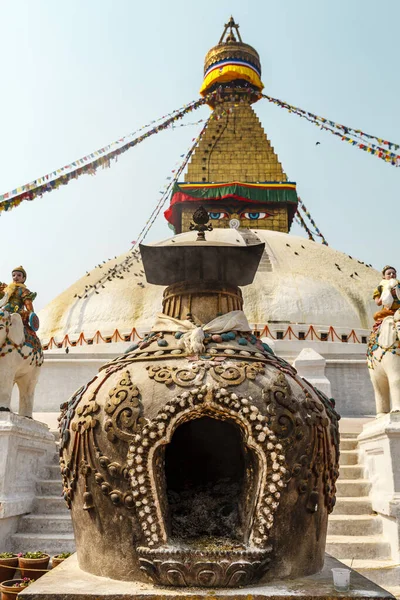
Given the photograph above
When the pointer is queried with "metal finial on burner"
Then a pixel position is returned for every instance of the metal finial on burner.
(200, 218)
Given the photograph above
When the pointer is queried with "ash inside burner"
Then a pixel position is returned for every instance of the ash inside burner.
(205, 472)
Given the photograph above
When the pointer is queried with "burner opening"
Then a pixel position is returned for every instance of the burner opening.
(206, 468)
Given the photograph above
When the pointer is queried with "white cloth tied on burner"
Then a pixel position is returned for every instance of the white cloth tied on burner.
(193, 336)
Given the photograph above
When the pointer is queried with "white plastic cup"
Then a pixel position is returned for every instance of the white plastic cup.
(341, 579)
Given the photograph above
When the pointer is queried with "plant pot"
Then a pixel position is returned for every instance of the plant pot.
(8, 592)
(8, 566)
(33, 567)
(55, 561)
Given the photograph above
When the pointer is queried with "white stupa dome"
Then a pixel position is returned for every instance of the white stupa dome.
(298, 282)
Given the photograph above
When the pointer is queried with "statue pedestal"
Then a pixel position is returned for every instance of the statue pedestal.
(24, 445)
(379, 445)
(68, 582)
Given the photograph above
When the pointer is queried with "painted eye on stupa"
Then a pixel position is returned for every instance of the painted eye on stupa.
(253, 216)
(217, 215)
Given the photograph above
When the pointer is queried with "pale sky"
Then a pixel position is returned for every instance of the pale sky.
(77, 75)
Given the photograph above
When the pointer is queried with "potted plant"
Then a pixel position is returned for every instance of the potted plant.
(33, 564)
(11, 588)
(58, 558)
(8, 565)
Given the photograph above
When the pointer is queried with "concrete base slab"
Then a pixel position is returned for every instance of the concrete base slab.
(69, 582)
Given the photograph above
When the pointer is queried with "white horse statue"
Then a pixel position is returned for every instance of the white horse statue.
(384, 364)
(21, 357)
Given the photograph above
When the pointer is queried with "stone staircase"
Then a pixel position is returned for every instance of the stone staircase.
(355, 534)
(48, 527)
(251, 238)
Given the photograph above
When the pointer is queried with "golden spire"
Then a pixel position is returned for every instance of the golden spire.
(234, 172)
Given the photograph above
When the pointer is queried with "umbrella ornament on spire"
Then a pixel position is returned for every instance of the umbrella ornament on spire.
(231, 60)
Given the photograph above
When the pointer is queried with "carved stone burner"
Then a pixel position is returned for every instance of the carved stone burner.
(200, 458)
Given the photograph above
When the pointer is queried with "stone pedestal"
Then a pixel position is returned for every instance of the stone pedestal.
(379, 445)
(69, 582)
(311, 365)
(24, 445)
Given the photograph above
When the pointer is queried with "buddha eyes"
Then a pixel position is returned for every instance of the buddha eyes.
(253, 216)
(217, 215)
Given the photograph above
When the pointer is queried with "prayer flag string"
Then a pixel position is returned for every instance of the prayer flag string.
(313, 223)
(364, 141)
(299, 219)
(89, 164)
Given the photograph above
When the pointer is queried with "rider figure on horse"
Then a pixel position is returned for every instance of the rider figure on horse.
(387, 294)
(16, 298)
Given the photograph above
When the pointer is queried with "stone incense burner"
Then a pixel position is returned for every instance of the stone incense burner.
(199, 458)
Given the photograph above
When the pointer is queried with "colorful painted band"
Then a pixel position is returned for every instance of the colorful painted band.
(231, 61)
(229, 72)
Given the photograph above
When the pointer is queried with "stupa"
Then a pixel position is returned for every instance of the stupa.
(304, 295)
(199, 457)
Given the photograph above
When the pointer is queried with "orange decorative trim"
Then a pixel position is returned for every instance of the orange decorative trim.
(311, 334)
(97, 338)
(260, 330)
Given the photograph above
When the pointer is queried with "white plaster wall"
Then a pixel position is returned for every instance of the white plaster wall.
(59, 379)
(351, 387)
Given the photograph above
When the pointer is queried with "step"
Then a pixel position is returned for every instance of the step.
(354, 525)
(348, 444)
(353, 506)
(49, 543)
(49, 487)
(54, 459)
(41, 523)
(348, 457)
(49, 505)
(351, 472)
(381, 572)
(352, 488)
(362, 547)
(50, 472)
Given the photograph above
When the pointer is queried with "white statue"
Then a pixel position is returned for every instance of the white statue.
(20, 350)
(384, 344)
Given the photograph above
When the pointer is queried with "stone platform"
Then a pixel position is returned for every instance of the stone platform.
(25, 445)
(68, 582)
